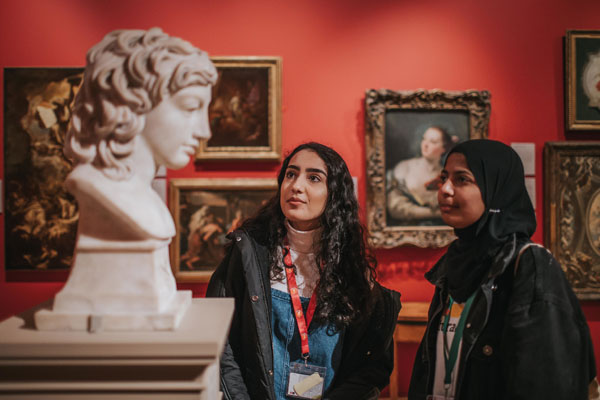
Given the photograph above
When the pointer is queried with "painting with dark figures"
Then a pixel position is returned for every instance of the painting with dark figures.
(205, 211)
(408, 133)
(238, 111)
(572, 212)
(40, 216)
(245, 110)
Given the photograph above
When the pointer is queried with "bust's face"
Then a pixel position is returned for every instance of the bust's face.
(174, 127)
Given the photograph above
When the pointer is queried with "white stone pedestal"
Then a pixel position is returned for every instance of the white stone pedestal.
(179, 364)
(117, 285)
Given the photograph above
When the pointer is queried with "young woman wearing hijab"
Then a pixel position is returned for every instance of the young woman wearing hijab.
(307, 307)
(498, 328)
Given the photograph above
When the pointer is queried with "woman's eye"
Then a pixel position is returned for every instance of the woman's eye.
(315, 178)
(289, 174)
(443, 178)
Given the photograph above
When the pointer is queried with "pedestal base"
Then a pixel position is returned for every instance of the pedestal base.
(117, 286)
(166, 365)
(169, 319)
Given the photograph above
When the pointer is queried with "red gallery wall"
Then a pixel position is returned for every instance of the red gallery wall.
(332, 52)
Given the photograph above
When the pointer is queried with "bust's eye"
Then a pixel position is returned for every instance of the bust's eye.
(190, 103)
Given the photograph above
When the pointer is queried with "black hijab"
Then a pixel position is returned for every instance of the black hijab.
(508, 215)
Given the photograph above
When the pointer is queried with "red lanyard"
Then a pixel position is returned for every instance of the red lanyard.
(302, 323)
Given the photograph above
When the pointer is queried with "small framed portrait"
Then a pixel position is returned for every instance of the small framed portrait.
(572, 212)
(245, 110)
(40, 222)
(582, 69)
(205, 211)
(408, 134)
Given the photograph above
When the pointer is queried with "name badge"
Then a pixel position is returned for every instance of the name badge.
(305, 381)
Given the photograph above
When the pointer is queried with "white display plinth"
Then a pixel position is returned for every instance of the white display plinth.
(179, 364)
(117, 286)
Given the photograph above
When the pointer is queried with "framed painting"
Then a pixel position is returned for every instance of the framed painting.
(245, 111)
(582, 81)
(572, 212)
(407, 135)
(205, 211)
(40, 216)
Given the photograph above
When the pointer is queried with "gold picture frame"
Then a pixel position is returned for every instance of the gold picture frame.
(204, 211)
(395, 124)
(572, 212)
(582, 80)
(245, 110)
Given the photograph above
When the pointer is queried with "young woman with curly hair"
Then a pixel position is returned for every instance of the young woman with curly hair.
(309, 319)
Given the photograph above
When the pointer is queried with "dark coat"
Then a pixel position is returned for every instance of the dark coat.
(247, 361)
(525, 336)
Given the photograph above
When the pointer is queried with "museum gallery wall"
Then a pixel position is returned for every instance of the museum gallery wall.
(330, 54)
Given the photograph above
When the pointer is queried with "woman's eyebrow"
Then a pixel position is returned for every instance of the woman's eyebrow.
(464, 172)
(317, 170)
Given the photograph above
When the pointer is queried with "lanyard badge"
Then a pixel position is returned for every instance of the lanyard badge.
(451, 354)
(305, 381)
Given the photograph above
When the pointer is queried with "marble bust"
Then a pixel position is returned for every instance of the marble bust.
(143, 104)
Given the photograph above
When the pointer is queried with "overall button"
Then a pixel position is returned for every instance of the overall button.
(238, 238)
(255, 298)
(271, 372)
(488, 350)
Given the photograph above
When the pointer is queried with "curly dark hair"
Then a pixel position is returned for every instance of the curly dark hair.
(344, 292)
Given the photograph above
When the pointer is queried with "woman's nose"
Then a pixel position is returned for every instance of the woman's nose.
(297, 185)
(447, 188)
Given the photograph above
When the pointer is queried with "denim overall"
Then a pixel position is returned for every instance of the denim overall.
(325, 347)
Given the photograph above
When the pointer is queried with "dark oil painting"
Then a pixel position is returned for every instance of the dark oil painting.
(206, 217)
(40, 216)
(239, 110)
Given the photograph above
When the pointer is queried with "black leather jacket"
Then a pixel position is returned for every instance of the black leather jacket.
(247, 361)
(525, 336)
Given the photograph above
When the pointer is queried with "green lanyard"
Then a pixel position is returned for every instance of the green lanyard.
(451, 356)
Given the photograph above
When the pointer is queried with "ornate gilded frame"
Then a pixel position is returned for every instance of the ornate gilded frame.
(240, 114)
(222, 197)
(581, 48)
(572, 212)
(475, 104)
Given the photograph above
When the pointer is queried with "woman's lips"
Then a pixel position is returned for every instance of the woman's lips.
(446, 207)
(295, 201)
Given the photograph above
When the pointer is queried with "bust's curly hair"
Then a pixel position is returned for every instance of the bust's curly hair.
(344, 293)
(127, 74)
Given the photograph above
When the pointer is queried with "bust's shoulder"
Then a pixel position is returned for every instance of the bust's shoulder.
(129, 203)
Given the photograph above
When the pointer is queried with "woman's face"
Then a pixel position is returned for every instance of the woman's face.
(459, 196)
(174, 128)
(432, 144)
(304, 190)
